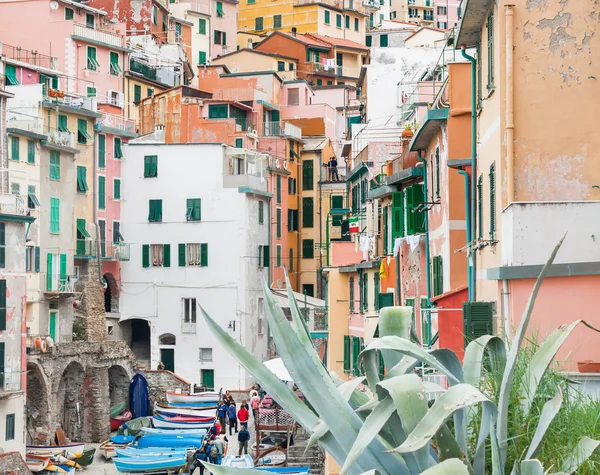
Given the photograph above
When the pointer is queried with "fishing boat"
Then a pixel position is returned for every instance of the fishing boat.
(119, 420)
(107, 449)
(36, 463)
(286, 470)
(205, 397)
(150, 451)
(151, 431)
(150, 464)
(169, 441)
(202, 411)
(69, 449)
(86, 458)
(243, 461)
(167, 423)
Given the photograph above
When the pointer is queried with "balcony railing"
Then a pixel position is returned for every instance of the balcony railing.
(116, 122)
(13, 204)
(98, 34)
(364, 6)
(60, 283)
(272, 129)
(30, 57)
(244, 125)
(293, 131)
(421, 3)
(62, 139)
(72, 100)
(10, 382)
(163, 75)
(88, 249)
(345, 71)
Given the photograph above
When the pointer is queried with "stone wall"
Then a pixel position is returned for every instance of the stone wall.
(93, 305)
(161, 381)
(12, 463)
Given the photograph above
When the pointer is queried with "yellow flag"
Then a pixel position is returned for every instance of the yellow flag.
(382, 271)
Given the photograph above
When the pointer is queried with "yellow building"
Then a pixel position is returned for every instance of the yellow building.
(418, 12)
(250, 60)
(337, 18)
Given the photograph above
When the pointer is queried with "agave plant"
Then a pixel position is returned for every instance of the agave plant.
(390, 429)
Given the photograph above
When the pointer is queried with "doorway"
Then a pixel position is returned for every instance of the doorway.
(167, 356)
(208, 379)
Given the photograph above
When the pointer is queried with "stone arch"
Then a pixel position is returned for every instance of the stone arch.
(111, 294)
(70, 401)
(167, 339)
(118, 385)
(38, 423)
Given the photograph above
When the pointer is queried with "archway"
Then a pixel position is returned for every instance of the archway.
(111, 294)
(118, 385)
(70, 401)
(140, 340)
(39, 431)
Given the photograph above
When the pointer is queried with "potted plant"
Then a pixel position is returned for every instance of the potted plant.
(408, 132)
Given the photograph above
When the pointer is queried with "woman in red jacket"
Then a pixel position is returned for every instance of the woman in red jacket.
(243, 415)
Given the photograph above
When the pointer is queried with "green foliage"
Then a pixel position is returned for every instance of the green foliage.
(78, 331)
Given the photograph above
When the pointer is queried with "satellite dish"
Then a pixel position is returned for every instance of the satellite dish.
(279, 283)
(54, 5)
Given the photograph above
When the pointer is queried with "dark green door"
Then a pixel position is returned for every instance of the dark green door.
(167, 356)
(208, 378)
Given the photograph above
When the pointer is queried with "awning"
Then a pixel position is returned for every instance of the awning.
(81, 228)
(33, 198)
(371, 327)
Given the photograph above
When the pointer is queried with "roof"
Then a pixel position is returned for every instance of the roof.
(426, 28)
(304, 39)
(248, 50)
(313, 143)
(340, 42)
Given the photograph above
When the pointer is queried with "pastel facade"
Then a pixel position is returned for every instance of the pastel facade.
(223, 27)
(250, 60)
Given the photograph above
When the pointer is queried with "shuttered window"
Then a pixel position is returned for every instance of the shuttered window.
(258, 23)
(92, 62)
(276, 21)
(32, 201)
(101, 192)
(54, 165)
(15, 145)
(490, 49)
(117, 189)
(337, 202)
(437, 275)
(82, 185)
(82, 133)
(384, 218)
(54, 215)
(10, 427)
(351, 294)
(346, 353)
(202, 26)
(2, 245)
(115, 68)
(278, 189)
(307, 213)
(327, 17)
(292, 220)
(383, 40)
(478, 320)
(2, 318)
(204, 254)
(10, 72)
(145, 255)
(193, 209)
(365, 290)
(348, 22)
(278, 222)
(385, 300)
(308, 251)
(278, 255)
(376, 290)
(307, 174)
(30, 151)
(338, 21)
(397, 214)
(261, 212)
(356, 24)
(150, 166)
(480, 206)
(218, 111)
(493, 202)
(415, 220)
(63, 123)
(437, 173)
(137, 93)
(155, 211)
(101, 151)
(291, 263)
(264, 257)
(117, 151)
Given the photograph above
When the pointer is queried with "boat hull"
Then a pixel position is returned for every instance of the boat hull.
(209, 396)
(148, 464)
(118, 421)
(151, 432)
(107, 449)
(55, 449)
(208, 411)
(244, 461)
(139, 396)
(161, 423)
(150, 452)
(169, 441)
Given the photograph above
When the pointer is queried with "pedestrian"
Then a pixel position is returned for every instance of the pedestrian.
(231, 413)
(221, 444)
(254, 402)
(214, 431)
(245, 404)
(201, 457)
(243, 415)
(222, 413)
(161, 366)
(213, 452)
(228, 398)
(333, 171)
(243, 438)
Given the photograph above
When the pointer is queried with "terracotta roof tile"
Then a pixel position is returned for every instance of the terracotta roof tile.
(330, 40)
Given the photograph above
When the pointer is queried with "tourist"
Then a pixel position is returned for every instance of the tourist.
(161, 366)
(214, 431)
(213, 452)
(254, 402)
(201, 457)
(333, 171)
(243, 438)
(244, 404)
(222, 413)
(228, 399)
(243, 415)
(221, 444)
(231, 413)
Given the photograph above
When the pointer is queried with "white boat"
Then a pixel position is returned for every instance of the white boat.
(151, 431)
(167, 410)
(243, 461)
(108, 449)
(208, 396)
(75, 449)
(160, 423)
(150, 452)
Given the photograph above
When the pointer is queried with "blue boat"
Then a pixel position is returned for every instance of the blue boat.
(150, 452)
(243, 461)
(200, 405)
(151, 431)
(150, 464)
(139, 397)
(122, 439)
(169, 441)
(286, 470)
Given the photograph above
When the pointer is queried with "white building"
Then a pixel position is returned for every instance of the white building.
(197, 218)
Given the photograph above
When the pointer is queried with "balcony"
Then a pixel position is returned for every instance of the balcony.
(10, 383)
(364, 6)
(272, 129)
(59, 283)
(421, 3)
(166, 76)
(340, 71)
(61, 139)
(245, 169)
(13, 204)
(98, 35)
(88, 249)
(30, 57)
(244, 125)
(75, 101)
(292, 131)
(125, 126)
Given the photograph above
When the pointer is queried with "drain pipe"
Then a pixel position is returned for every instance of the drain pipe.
(427, 250)
(470, 253)
(510, 117)
(468, 226)
(95, 204)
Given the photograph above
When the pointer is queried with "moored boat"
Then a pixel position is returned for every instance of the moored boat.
(203, 411)
(169, 441)
(167, 423)
(150, 464)
(75, 449)
(207, 396)
(36, 463)
(192, 405)
(119, 420)
(243, 461)
(286, 470)
(151, 451)
(107, 449)
(151, 431)
(86, 458)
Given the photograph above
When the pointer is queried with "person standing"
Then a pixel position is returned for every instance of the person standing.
(243, 415)
(222, 414)
(243, 438)
(213, 452)
(254, 403)
(333, 171)
(221, 443)
(231, 413)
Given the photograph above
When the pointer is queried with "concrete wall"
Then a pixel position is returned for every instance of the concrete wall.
(332, 30)
(226, 23)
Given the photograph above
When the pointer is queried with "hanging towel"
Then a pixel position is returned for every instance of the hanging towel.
(382, 271)
(364, 247)
(413, 241)
(397, 244)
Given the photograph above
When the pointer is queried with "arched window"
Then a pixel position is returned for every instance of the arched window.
(166, 339)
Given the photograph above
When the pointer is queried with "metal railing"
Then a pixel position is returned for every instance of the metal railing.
(60, 282)
(13, 204)
(68, 99)
(346, 71)
(116, 122)
(62, 139)
(364, 6)
(88, 248)
(244, 125)
(99, 34)
(163, 75)
(272, 129)
(27, 56)
(10, 381)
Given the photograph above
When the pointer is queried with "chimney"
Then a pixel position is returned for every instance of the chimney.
(250, 44)
(294, 31)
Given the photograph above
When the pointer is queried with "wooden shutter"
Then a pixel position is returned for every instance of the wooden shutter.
(307, 174)
(291, 264)
(478, 320)
(181, 254)
(307, 213)
(261, 212)
(49, 272)
(278, 222)
(101, 151)
(418, 200)
(384, 218)
(3, 306)
(355, 353)
(266, 257)
(493, 202)
(101, 192)
(202, 26)
(383, 41)
(2, 356)
(480, 206)
(278, 188)
(2, 245)
(397, 214)
(386, 300)
(438, 275)
(63, 268)
(351, 294)
(376, 289)
(381, 365)
(278, 255)
(166, 255)
(37, 258)
(365, 292)
(204, 254)
(145, 255)
(308, 249)
(346, 353)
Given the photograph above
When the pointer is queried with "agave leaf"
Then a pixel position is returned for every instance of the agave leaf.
(403, 346)
(372, 426)
(497, 465)
(394, 321)
(531, 467)
(369, 406)
(348, 387)
(319, 433)
(318, 387)
(448, 448)
(507, 377)
(406, 365)
(584, 450)
(431, 387)
(357, 398)
(549, 412)
(456, 398)
(448, 467)
(371, 369)
(298, 323)
(487, 414)
(541, 360)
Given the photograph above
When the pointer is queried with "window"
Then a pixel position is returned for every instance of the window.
(220, 13)
(30, 151)
(290, 66)
(347, 22)
(89, 20)
(327, 17)
(490, 50)
(116, 188)
(365, 290)
(369, 41)
(82, 186)
(10, 426)
(63, 122)
(15, 188)
(397, 214)
(11, 75)
(264, 257)
(3, 256)
(202, 26)
(117, 152)
(308, 251)
(54, 215)
(201, 57)
(308, 289)
(278, 222)
(150, 166)
(177, 32)
(480, 206)
(32, 200)
(192, 212)
(356, 24)
(115, 69)
(351, 294)
(346, 353)
(30, 258)
(189, 315)
(15, 146)
(101, 151)
(415, 215)
(319, 82)
(276, 21)
(291, 259)
(82, 133)
(278, 189)
(220, 38)
(205, 354)
(493, 202)
(307, 175)
(258, 23)
(278, 254)
(218, 111)
(338, 20)
(159, 255)
(117, 237)
(280, 65)
(155, 15)
(69, 13)
(441, 11)
(101, 192)
(292, 220)
(307, 212)
(376, 290)
(337, 202)
(164, 22)
(392, 15)
(92, 62)
(383, 41)
(54, 165)
(261, 212)
(479, 320)
(137, 93)
(437, 275)
(155, 211)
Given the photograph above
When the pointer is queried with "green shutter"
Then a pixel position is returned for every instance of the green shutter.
(338, 20)
(356, 24)
(327, 17)
(54, 165)
(137, 93)
(82, 186)
(385, 300)
(307, 174)
(261, 212)
(30, 151)
(383, 40)
(37, 258)
(493, 202)
(115, 68)
(348, 22)
(346, 353)
(258, 23)
(490, 49)
(438, 275)
(369, 41)
(181, 254)
(2, 307)
(419, 199)
(145, 255)
(10, 72)
(266, 256)
(365, 289)
(49, 272)
(437, 172)
(278, 256)
(117, 189)
(201, 57)
(480, 206)
(307, 213)
(101, 192)
(63, 268)
(193, 209)
(478, 320)
(63, 122)
(278, 188)
(54, 215)
(203, 254)
(82, 133)
(101, 151)
(276, 21)
(291, 263)
(202, 26)
(150, 166)
(351, 294)
(384, 218)
(239, 143)
(218, 111)
(166, 255)
(15, 146)
(224, 43)
(376, 290)
(397, 215)
(278, 222)
(337, 202)
(308, 55)
(155, 211)
(308, 249)
(355, 353)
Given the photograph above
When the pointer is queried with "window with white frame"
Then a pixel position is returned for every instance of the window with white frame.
(189, 315)
(193, 254)
(205, 354)
(157, 255)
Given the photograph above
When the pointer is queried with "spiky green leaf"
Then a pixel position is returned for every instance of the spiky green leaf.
(531, 467)
(394, 321)
(584, 450)
(448, 467)
(549, 412)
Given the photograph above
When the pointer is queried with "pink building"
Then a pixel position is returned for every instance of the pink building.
(446, 13)
(223, 26)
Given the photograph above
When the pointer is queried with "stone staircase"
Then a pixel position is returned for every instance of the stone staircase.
(314, 457)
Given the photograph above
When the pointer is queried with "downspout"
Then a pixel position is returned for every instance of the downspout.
(320, 157)
(98, 243)
(427, 250)
(510, 118)
(269, 267)
(398, 296)
(470, 253)
(468, 226)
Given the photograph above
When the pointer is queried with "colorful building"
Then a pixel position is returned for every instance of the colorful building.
(251, 60)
